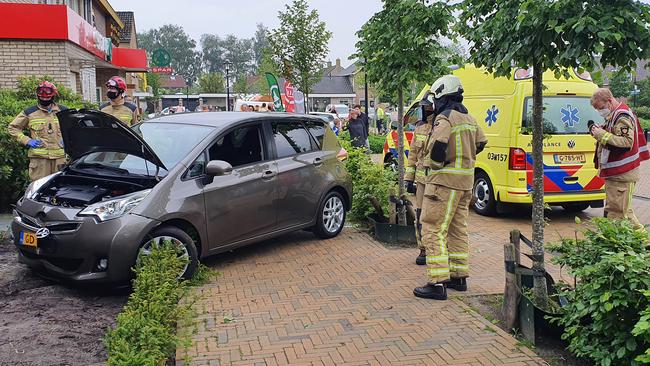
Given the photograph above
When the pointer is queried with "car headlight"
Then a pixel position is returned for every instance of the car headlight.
(34, 186)
(112, 209)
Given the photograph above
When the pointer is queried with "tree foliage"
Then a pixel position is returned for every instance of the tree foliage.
(185, 59)
(260, 43)
(555, 35)
(299, 45)
(266, 65)
(212, 82)
(238, 51)
(398, 50)
(620, 84)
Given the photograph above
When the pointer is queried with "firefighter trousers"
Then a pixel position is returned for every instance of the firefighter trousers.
(42, 167)
(419, 195)
(618, 201)
(444, 232)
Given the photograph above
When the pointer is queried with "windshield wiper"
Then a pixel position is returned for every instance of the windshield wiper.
(102, 166)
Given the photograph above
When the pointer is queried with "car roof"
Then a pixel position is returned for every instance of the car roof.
(225, 119)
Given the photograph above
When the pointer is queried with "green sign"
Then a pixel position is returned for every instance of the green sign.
(161, 58)
(275, 92)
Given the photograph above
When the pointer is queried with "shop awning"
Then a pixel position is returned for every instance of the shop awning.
(130, 59)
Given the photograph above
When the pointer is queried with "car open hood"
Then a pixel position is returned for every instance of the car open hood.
(86, 131)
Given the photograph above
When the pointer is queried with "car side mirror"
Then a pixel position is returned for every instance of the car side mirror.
(218, 168)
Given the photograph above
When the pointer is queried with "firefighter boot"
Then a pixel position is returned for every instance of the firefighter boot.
(458, 284)
(421, 258)
(436, 291)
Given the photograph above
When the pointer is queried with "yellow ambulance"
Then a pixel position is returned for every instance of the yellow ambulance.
(504, 170)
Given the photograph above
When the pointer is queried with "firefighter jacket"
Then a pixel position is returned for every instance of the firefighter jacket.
(622, 145)
(124, 111)
(42, 125)
(415, 165)
(451, 150)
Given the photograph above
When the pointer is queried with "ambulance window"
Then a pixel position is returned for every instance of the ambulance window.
(562, 115)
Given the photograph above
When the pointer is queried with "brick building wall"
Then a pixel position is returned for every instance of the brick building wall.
(22, 57)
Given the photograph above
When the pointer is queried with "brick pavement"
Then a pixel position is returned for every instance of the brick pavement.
(299, 300)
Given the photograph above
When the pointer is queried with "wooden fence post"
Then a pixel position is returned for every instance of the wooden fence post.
(511, 291)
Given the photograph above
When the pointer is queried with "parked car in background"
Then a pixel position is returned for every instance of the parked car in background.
(342, 110)
(334, 122)
(233, 179)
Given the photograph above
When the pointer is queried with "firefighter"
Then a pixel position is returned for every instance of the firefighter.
(415, 176)
(621, 149)
(45, 143)
(449, 161)
(126, 112)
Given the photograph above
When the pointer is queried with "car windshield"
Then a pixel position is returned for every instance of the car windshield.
(163, 138)
(562, 115)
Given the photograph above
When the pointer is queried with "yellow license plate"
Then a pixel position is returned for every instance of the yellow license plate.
(569, 158)
(28, 239)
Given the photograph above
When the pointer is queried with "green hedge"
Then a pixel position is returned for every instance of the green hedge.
(368, 180)
(612, 267)
(14, 163)
(643, 112)
(145, 333)
(377, 143)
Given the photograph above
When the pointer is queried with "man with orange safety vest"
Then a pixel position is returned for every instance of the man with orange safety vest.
(620, 150)
(45, 143)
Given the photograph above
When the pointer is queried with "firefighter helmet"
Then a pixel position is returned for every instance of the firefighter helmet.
(46, 89)
(117, 83)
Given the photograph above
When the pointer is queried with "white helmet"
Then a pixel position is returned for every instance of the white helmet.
(448, 84)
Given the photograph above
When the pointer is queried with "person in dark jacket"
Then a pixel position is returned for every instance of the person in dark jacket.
(357, 128)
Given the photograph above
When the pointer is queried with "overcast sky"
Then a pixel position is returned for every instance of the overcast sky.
(342, 17)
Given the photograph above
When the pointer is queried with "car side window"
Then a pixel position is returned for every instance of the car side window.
(197, 168)
(317, 130)
(239, 147)
(291, 138)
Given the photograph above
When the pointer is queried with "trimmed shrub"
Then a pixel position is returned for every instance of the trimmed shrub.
(610, 298)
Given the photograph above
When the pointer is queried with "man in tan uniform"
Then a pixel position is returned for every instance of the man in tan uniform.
(621, 149)
(451, 154)
(415, 172)
(124, 111)
(46, 153)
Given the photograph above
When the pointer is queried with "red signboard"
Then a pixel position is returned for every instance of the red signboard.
(288, 92)
(88, 37)
(59, 22)
(161, 70)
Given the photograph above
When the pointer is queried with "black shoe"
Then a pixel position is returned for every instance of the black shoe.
(458, 284)
(431, 291)
(421, 258)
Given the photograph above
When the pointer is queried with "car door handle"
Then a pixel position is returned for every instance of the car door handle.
(318, 162)
(268, 174)
(570, 179)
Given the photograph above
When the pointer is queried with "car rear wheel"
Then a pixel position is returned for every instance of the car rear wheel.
(484, 200)
(331, 216)
(575, 207)
(177, 237)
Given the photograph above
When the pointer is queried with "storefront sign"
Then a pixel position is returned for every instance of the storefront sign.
(161, 70)
(88, 37)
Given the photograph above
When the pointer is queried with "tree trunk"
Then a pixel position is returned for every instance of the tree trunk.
(540, 293)
(401, 214)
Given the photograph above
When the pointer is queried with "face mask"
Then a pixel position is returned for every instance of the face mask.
(605, 112)
(112, 95)
(45, 103)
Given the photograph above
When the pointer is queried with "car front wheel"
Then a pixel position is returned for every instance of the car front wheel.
(331, 216)
(179, 238)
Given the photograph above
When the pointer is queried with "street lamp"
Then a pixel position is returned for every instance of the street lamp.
(227, 65)
(365, 86)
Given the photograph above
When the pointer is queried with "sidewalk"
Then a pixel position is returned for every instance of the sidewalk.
(348, 300)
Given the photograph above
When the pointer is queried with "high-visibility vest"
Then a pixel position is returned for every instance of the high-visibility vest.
(615, 161)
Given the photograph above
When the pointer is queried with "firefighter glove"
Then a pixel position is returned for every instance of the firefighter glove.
(34, 143)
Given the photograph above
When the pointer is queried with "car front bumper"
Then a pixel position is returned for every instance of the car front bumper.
(75, 245)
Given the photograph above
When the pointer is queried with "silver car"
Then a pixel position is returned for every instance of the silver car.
(209, 182)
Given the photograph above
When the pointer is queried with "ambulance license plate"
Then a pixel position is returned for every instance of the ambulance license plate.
(570, 158)
(28, 239)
